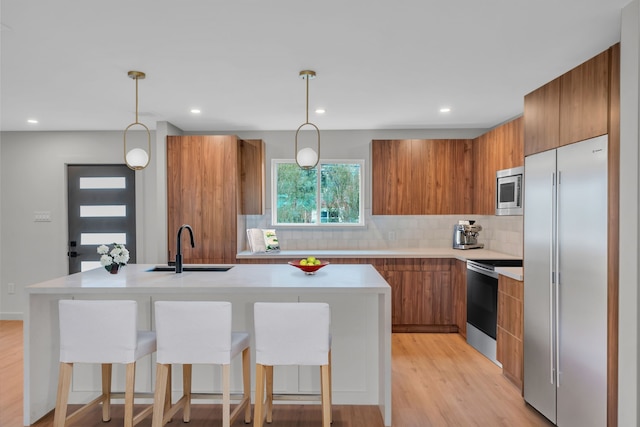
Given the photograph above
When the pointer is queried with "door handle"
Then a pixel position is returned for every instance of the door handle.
(72, 254)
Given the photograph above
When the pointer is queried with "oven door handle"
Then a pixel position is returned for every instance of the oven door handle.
(482, 270)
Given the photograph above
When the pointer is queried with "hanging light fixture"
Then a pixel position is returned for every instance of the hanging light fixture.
(137, 158)
(307, 158)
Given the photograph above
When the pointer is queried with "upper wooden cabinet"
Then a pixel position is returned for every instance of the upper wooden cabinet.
(209, 180)
(500, 148)
(542, 118)
(571, 108)
(584, 100)
(421, 177)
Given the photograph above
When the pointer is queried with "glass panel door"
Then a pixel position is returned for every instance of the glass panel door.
(101, 211)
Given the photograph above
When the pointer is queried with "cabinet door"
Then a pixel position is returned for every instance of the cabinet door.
(459, 288)
(391, 177)
(542, 118)
(509, 338)
(584, 100)
(421, 177)
(202, 191)
(252, 177)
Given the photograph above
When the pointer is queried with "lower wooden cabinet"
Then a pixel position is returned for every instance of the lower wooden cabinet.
(422, 295)
(427, 294)
(510, 330)
(459, 289)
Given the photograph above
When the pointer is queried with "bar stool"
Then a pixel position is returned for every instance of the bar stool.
(191, 332)
(102, 332)
(291, 334)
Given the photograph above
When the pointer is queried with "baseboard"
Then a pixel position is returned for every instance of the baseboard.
(11, 316)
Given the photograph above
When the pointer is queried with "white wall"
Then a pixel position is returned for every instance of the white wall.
(33, 178)
(628, 359)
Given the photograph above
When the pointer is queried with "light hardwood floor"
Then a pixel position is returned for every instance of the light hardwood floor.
(438, 380)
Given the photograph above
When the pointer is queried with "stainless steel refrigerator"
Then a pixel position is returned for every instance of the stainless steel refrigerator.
(565, 283)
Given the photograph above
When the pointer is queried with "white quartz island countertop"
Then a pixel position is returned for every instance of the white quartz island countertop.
(241, 278)
(359, 297)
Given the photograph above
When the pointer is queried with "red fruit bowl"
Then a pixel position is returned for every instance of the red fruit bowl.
(309, 269)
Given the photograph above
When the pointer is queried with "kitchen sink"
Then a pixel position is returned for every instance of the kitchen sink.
(193, 268)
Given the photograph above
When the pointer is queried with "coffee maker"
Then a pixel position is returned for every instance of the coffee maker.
(465, 235)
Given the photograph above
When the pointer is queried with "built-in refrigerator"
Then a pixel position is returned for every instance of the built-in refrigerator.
(565, 283)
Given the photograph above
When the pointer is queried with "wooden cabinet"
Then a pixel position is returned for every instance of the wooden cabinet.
(542, 118)
(571, 108)
(509, 338)
(422, 295)
(421, 177)
(205, 190)
(500, 148)
(584, 100)
(459, 288)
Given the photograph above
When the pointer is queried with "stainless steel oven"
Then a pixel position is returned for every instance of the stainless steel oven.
(482, 304)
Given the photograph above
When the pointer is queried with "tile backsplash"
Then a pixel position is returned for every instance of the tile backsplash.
(499, 233)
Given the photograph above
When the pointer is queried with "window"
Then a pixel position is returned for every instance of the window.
(331, 198)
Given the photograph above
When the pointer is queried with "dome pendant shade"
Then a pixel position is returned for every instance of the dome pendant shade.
(137, 158)
(307, 158)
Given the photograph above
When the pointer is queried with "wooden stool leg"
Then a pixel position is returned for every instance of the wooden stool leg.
(64, 384)
(326, 400)
(246, 380)
(160, 395)
(186, 387)
(258, 415)
(128, 394)
(330, 388)
(269, 403)
(226, 391)
(106, 392)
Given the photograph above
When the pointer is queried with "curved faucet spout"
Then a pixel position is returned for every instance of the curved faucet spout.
(179, 246)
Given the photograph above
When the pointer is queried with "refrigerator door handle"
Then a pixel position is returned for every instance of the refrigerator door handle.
(557, 268)
(551, 282)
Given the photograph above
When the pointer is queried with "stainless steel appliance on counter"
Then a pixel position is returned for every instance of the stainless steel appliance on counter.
(482, 304)
(565, 283)
(509, 188)
(465, 235)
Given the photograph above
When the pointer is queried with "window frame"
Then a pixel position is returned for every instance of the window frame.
(274, 194)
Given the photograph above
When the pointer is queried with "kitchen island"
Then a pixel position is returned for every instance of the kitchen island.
(359, 297)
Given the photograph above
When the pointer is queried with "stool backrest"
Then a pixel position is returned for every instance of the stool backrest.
(193, 332)
(98, 331)
(292, 333)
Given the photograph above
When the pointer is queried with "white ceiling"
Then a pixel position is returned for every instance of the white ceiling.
(381, 64)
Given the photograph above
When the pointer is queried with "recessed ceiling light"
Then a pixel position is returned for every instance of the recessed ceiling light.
(320, 111)
(445, 109)
(32, 121)
(195, 111)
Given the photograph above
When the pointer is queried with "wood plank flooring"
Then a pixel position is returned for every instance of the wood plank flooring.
(438, 380)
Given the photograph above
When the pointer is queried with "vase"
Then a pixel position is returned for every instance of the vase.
(114, 269)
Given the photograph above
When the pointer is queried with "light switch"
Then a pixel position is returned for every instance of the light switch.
(42, 216)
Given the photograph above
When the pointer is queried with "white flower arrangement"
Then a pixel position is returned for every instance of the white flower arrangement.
(118, 256)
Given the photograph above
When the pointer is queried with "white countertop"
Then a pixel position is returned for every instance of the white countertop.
(242, 278)
(460, 254)
(513, 272)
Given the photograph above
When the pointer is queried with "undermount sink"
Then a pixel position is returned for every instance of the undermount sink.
(193, 268)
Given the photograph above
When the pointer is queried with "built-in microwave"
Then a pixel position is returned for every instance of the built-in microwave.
(510, 191)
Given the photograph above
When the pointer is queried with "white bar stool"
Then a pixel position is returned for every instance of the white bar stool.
(102, 332)
(291, 334)
(198, 332)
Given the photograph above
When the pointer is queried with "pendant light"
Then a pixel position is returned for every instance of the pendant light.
(307, 158)
(137, 158)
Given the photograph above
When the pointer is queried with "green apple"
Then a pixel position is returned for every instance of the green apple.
(303, 262)
(317, 262)
(311, 260)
